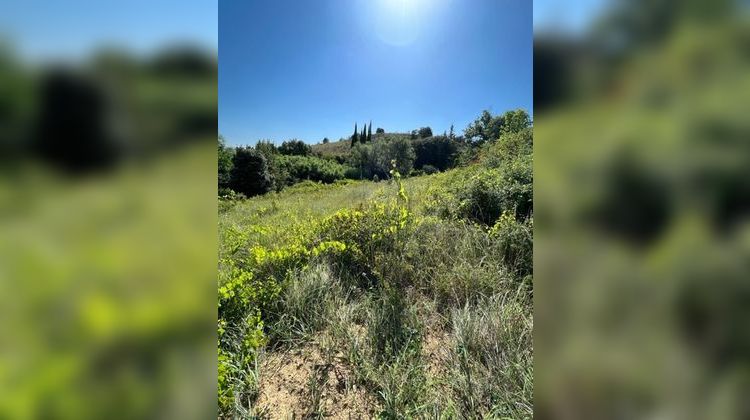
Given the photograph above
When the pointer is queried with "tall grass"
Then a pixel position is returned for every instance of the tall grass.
(491, 359)
(403, 274)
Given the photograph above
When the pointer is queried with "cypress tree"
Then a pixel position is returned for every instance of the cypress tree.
(369, 132)
(363, 136)
(354, 136)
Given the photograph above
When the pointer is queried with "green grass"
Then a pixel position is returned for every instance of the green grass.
(379, 280)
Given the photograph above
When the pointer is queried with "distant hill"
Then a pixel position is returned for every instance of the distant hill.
(340, 150)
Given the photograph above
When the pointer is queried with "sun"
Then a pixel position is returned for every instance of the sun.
(398, 22)
(401, 7)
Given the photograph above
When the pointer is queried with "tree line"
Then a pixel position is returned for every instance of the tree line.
(255, 170)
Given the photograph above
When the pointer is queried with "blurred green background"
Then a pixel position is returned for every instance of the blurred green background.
(642, 188)
(107, 214)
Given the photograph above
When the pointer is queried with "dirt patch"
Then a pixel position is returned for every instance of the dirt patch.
(435, 352)
(303, 383)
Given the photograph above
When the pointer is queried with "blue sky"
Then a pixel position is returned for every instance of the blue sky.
(41, 30)
(572, 16)
(311, 69)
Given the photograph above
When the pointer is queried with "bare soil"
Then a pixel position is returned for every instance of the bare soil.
(303, 383)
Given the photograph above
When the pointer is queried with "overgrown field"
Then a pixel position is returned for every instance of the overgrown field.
(392, 299)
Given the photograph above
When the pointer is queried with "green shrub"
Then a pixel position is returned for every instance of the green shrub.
(508, 147)
(300, 168)
(515, 241)
(250, 174)
(438, 152)
(484, 196)
(375, 158)
(295, 148)
(430, 170)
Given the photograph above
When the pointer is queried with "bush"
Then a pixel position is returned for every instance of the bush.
(250, 175)
(267, 148)
(489, 128)
(488, 193)
(300, 168)
(439, 152)
(481, 194)
(295, 148)
(510, 146)
(429, 169)
(230, 195)
(515, 241)
(225, 155)
(375, 158)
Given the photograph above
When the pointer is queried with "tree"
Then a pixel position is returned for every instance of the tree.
(489, 128)
(515, 121)
(326, 141)
(402, 151)
(438, 151)
(225, 156)
(355, 135)
(363, 135)
(250, 174)
(375, 159)
(479, 130)
(369, 132)
(380, 131)
(295, 147)
(267, 148)
(425, 132)
(451, 134)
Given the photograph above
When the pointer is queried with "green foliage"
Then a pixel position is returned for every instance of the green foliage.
(308, 299)
(487, 194)
(483, 195)
(510, 146)
(421, 133)
(491, 359)
(295, 147)
(375, 159)
(299, 168)
(489, 128)
(515, 242)
(225, 156)
(268, 149)
(430, 170)
(355, 136)
(515, 121)
(502, 181)
(380, 131)
(439, 152)
(372, 277)
(249, 173)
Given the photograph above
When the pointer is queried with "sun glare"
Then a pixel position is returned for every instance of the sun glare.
(398, 22)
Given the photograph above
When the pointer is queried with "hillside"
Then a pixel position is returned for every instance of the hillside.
(342, 149)
(405, 298)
